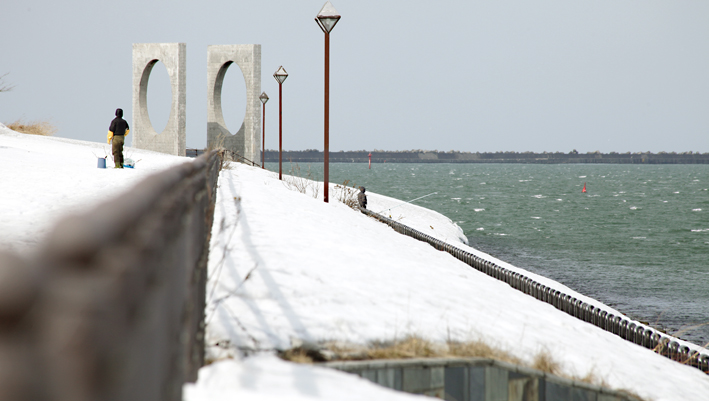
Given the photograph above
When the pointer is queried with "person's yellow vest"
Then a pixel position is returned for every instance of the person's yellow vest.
(110, 135)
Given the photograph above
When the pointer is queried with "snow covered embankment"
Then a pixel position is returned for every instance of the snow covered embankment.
(46, 178)
(287, 268)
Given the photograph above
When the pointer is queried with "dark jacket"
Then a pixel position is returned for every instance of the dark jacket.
(362, 198)
(119, 126)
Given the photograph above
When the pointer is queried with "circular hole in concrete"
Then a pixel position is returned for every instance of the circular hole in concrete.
(159, 97)
(234, 98)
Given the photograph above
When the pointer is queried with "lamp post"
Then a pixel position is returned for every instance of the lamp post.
(326, 19)
(280, 76)
(264, 99)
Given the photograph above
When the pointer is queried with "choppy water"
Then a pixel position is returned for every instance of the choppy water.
(637, 240)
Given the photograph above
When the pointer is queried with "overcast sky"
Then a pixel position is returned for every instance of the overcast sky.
(519, 75)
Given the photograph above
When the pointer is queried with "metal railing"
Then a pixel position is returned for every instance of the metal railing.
(636, 333)
(111, 307)
(239, 158)
(233, 156)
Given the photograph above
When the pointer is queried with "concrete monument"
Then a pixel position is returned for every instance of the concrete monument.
(173, 56)
(246, 142)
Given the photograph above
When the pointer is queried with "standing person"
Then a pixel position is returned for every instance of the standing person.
(362, 198)
(117, 132)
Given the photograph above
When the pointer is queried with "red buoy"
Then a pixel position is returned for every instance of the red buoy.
(584, 188)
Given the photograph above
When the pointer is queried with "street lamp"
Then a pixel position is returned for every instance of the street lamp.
(264, 99)
(326, 19)
(280, 76)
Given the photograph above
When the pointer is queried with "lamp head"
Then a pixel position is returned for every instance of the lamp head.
(280, 75)
(327, 17)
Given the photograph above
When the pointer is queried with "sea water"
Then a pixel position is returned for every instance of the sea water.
(636, 240)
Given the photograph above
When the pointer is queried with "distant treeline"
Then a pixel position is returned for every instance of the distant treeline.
(424, 156)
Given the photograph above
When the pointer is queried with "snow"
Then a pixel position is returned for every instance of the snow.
(323, 272)
(286, 268)
(266, 377)
(45, 178)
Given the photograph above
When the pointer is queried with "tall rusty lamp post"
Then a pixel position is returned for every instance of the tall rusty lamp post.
(280, 76)
(264, 99)
(326, 19)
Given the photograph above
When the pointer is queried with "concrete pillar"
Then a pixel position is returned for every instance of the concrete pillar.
(173, 56)
(246, 142)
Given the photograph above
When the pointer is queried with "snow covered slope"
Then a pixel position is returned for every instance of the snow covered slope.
(285, 267)
(44, 178)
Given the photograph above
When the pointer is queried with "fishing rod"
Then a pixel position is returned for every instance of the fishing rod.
(420, 197)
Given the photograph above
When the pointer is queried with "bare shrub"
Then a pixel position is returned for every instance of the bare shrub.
(225, 157)
(43, 128)
(307, 184)
(3, 86)
(347, 195)
(216, 145)
(663, 349)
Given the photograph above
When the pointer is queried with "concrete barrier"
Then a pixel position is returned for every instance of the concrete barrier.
(172, 140)
(111, 307)
(475, 379)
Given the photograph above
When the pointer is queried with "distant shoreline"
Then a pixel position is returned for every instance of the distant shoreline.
(313, 156)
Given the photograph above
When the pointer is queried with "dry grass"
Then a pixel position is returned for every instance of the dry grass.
(43, 128)
(543, 361)
(480, 349)
(297, 355)
(409, 347)
(302, 354)
(664, 350)
(416, 347)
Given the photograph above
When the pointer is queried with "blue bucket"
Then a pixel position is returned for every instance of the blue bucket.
(101, 162)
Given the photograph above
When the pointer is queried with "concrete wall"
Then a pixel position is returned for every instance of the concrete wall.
(475, 379)
(173, 56)
(246, 142)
